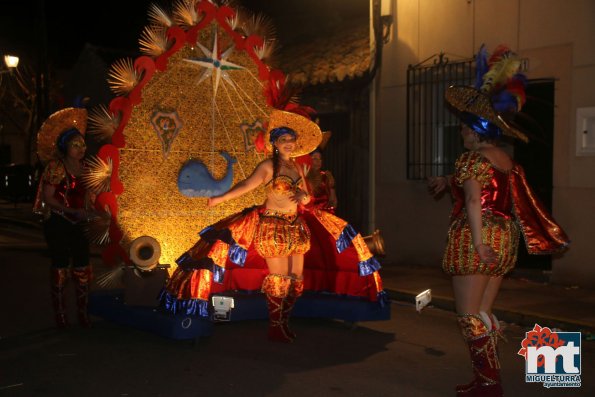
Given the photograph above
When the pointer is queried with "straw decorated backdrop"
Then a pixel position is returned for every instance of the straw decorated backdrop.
(200, 90)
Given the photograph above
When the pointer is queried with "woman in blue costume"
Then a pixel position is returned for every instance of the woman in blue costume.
(312, 250)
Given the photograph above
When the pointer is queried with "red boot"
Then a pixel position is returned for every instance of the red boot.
(497, 335)
(468, 386)
(296, 289)
(484, 358)
(59, 277)
(82, 276)
(276, 287)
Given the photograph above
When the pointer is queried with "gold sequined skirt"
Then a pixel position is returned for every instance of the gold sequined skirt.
(460, 257)
(281, 234)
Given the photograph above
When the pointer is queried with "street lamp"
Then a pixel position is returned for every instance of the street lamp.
(11, 62)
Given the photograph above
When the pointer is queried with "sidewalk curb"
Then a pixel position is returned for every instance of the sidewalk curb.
(527, 319)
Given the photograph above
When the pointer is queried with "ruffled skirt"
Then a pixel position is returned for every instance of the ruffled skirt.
(230, 256)
(460, 257)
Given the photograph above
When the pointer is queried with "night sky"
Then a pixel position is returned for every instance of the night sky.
(108, 23)
(118, 24)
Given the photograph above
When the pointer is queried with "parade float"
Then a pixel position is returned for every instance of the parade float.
(188, 122)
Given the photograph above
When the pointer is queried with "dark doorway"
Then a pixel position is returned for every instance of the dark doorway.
(348, 162)
(536, 157)
(5, 154)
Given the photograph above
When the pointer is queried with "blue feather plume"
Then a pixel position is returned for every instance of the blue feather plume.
(481, 66)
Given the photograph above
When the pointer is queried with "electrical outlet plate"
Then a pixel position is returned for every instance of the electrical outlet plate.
(585, 131)
(423, 299)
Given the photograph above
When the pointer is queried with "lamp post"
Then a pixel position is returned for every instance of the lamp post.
(11, 62)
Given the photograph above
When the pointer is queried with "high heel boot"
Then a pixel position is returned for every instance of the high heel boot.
(484, 358)
(82, 277)
(59, 277)
(276, 288)
(296, 289)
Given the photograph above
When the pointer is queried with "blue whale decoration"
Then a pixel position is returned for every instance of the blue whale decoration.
(195, 180)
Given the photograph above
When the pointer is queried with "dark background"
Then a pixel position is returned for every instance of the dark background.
(65, 26)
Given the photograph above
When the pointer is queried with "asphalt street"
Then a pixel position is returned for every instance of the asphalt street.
(410, 355)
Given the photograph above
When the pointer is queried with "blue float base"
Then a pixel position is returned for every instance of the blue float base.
(251, 306)
(109, 304)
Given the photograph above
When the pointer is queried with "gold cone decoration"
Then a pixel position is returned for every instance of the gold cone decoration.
(375, 243)
(260, 25)
(111, 279)
(235, 21)
(123, 77)
(97, 229)
(266, 51)
(102, 123)
(153, 41)
(157, 16)
(98, 174)
(185, 14)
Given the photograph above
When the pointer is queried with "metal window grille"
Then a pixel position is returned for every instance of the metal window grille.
(433, 139)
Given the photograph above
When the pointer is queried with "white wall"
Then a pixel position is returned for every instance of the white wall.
(556, 37)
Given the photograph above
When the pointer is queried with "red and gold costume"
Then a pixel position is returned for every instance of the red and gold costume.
(230, 256)
(66, 240)
(69, 190)
(279, 233)
(321, 182)
(509, 208)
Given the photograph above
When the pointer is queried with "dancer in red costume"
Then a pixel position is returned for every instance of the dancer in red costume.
(66, 204)
(493, 206)
(322, 183)
(312, 250)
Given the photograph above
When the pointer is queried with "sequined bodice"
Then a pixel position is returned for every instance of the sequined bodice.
(282, 185)
(495, 195)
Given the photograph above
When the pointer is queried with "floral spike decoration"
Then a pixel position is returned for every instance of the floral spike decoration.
(498, 94)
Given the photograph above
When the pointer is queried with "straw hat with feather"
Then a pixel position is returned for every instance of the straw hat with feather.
(308, 134)
(499, 93)
(55, 125)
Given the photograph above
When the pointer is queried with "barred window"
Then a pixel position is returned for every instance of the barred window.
(433, 138)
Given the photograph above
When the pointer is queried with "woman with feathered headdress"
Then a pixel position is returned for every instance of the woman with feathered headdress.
(494, 205)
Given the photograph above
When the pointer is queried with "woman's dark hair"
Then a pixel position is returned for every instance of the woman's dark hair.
(317, 150)
(65, 137)
(279, 131)
(483, 138)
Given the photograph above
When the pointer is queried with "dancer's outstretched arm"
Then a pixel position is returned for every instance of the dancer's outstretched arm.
(261, 173)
